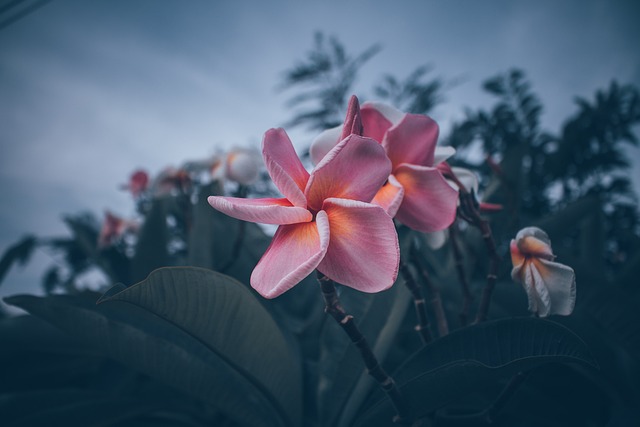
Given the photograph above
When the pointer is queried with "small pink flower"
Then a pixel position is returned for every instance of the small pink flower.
(326, 220)
(416, 192)
(114, 227)
(550, 286)
(138, 183)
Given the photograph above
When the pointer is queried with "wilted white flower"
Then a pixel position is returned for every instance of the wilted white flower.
(550, 286)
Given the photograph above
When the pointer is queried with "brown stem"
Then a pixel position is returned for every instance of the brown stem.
(467, 298)
(469, 212)
(435, 299)
(419, 302)
(346, 322)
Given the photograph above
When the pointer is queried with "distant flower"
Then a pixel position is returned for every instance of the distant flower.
(138, 183)
(239, 164)
(170, 181)
(416, 192)
(550, 286)
(325, 219)
(113, 228)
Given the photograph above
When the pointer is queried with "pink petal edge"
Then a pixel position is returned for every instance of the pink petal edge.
(265, 211)
(429, 203)
(363, 250)
(295, 251)
(284, 166)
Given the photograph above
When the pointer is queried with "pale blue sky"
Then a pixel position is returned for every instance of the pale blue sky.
(91, 90)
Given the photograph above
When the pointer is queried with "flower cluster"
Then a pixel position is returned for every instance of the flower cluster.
(339, 218)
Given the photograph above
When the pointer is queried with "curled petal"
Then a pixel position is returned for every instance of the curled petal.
(533, 246)
(441, 154)
(295, 251)
(377, 118)
(389, 197)
(323, 143)
(517, 259)
(467, 178)
(354, 169)
(413, 141)
(429, 203)
(265, 211)
(537, 294)
(560, 282)
(353, 121)
(363, 250)
(284, 166)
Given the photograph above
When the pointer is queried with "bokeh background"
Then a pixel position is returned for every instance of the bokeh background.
(90, 91)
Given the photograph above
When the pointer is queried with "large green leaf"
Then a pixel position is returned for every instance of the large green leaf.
(197, 330)
(468, 359)
(344, 382)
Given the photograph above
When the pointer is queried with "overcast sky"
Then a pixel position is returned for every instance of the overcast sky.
(91, 90)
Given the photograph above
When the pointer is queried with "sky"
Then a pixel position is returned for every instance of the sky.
(90, 91)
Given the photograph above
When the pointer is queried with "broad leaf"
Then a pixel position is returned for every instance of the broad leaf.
(468, 359)
(194, 329)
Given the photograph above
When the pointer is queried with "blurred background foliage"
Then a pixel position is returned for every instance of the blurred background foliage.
(124, 352)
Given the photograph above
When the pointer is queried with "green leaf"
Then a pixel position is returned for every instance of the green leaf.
(344, 382)
(197, 330)
(468, 359)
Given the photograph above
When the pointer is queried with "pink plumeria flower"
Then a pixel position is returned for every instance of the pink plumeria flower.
(114, 227)
(416, 192)
(325, 218)
(550, 286)
(239, 165)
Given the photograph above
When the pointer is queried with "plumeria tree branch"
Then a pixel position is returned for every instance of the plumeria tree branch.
(435, 300)
(467, 297)
(470, 212)
(419, 302)
(346, 321)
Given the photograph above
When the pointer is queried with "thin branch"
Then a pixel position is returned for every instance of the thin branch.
(435, 299)
(346, 322)
(467, 298)
(419, 302)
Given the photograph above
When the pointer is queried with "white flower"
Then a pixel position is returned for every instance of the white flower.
(550, 286)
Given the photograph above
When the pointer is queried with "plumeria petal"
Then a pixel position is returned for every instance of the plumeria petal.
(363, 250)
(323, 143)
(284, 166)
(354, 169)
(413, 140)
(560, 282)
(533, 246)
(265, 211)
(467, 178)
(442, 153)
(295, 251)
(353, 121)
(390, 196)
(429, 203)
(377, 118)
(517, 258)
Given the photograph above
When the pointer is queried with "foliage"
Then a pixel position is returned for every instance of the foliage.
(194, 345)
